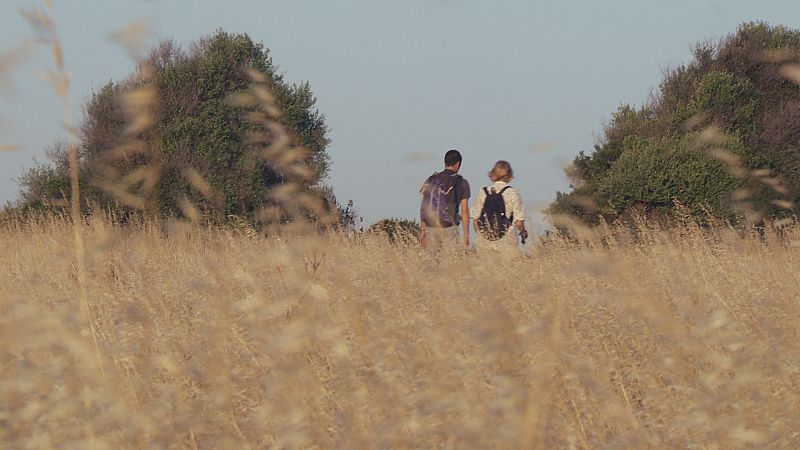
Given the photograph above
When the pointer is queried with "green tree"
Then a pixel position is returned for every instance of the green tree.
(194, 144)
(651, 156)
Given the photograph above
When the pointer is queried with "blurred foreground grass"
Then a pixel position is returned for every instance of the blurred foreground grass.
(221, 339)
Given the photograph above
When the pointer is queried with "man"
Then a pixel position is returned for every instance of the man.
(444, 205)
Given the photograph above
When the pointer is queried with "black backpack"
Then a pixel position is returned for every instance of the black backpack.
(493, 222)
(439, 200)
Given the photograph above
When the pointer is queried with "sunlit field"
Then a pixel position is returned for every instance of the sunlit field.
(172, 282)
(207, 338)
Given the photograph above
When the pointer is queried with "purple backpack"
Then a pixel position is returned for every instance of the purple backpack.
(439, 200)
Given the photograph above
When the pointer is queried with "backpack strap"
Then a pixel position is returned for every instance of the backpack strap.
(511, 217)
(486, 190)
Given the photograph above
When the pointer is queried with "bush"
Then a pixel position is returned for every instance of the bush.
(647, 157)
(399, 231)
(656, 173)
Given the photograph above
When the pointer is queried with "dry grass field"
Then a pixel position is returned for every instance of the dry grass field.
(204, 338)
(176, 335)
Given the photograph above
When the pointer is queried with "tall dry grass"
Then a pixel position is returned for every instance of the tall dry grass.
(211, 338)
(176, 335)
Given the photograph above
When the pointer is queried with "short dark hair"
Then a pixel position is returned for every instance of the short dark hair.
(451, 158)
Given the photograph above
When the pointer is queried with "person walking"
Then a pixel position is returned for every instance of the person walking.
(498, 211)
(444, 205)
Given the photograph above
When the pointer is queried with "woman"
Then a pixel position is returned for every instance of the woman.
(498, 211)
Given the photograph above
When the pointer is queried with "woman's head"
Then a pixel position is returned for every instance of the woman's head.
(501, 172)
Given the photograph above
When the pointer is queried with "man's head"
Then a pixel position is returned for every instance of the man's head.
(452, 160)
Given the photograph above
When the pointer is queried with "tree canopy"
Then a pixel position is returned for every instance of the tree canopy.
(720, 136)
(170, 134)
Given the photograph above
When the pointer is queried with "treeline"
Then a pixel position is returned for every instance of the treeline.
(719, 137)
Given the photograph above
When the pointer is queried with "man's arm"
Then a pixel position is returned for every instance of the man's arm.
(465, 220)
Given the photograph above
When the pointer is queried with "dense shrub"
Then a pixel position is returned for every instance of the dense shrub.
(651, 156)
(196, 134)
(398, 231)
(659, 172)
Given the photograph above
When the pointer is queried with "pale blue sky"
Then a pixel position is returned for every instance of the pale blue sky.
(527, 81)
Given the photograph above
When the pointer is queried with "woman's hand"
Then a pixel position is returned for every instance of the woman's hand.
(523, 233)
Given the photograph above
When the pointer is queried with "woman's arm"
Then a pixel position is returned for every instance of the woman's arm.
(477, 207)
(523, 233)
(519, 215)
